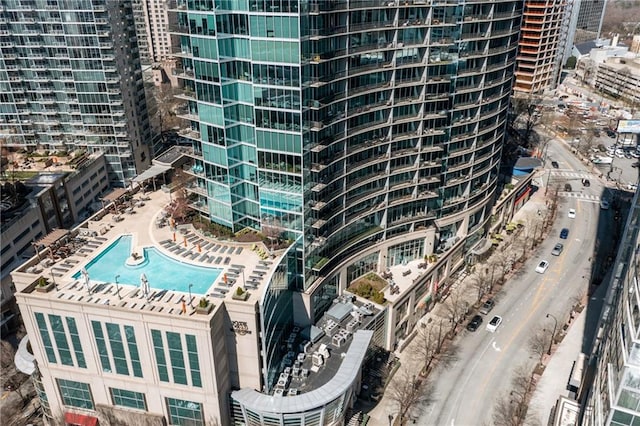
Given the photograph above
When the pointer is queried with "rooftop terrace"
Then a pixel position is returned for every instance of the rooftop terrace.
(144, 218)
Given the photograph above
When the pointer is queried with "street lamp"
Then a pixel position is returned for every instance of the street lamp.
(190, 285)
(118, 287)
(553, 334)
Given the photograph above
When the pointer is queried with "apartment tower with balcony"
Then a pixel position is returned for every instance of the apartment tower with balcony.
(367, 131)
(71, 79)
(542, 39)
(590, 14)
(611, 387)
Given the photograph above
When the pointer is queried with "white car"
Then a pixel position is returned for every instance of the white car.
(604, 205)
(542, 267)
(572, 213)
(494, 323)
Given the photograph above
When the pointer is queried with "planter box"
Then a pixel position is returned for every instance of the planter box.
(45, 289)
(244, 296)
(204, 311)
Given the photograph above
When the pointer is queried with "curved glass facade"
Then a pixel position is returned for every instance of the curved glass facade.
(345, 122)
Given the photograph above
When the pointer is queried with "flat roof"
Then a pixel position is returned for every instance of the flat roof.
(145, 219)
(343, 378)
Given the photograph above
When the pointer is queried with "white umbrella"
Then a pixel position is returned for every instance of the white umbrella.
(87, 283)
(144, 285)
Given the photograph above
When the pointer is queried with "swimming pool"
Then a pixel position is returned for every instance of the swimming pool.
(162, 272)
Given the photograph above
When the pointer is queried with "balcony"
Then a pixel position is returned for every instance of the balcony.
(189, 133)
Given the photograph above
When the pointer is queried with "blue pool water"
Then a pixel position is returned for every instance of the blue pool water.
(162, 272)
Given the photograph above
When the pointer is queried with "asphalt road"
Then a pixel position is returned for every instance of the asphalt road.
(464, 392)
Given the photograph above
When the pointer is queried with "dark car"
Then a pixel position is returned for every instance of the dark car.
(564, 234)
(554, 164)
(585, 182)
(611, 133)
(636, 164)
(567, 187)
(475, 322)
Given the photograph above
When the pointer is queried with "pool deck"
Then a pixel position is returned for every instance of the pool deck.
(239, 263)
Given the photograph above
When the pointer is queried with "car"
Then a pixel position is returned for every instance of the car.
(487, 306)
(636, 164)
(475, 322)
(555, 164)
(564, 233)
(572, 213)
(604, 204)
(494, 323)
(542, 267)
(557, 249)
(585, 182)
(567, 187)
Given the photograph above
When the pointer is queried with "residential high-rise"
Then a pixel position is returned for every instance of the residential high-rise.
(71, 79)
(542, 40)
(369, 131)
(612, 386)
(589, 22)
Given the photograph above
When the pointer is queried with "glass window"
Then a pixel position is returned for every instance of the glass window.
(194, 364)
(117, 349)
(161, 361)
(60, 337)
(102, 346)
(75, 341)
(129, 399)
(46, 339)
(177, 360)
(133, 350)
(75, 394)
(184, 413)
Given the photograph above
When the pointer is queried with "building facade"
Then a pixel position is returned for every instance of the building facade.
(368, 131)
(71, 79)
(612, 392)
(588, 24)
(620, 78)
(542, 43)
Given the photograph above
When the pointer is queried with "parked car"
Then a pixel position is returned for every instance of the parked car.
(542, 267)
(572, 214)
(557, 249)
(494, 323)
(636, 164)
(475, 322)
(487, 306)
(564, 233)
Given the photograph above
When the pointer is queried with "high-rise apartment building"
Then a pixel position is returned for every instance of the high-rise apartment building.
(156, 12)
(369, 131)
(542, 39)
(71, 79)
(613, 389)
(589, 22)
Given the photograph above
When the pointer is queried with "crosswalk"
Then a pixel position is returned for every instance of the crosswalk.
(571, 175)
(582, 197)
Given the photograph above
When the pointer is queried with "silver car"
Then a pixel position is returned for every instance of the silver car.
(557, 249)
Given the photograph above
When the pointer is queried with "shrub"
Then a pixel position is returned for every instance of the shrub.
(239, 291)
(203, 302)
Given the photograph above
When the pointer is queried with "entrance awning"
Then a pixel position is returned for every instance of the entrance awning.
(151, 172)
(77, 419)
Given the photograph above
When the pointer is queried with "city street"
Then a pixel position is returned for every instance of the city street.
(466, 390)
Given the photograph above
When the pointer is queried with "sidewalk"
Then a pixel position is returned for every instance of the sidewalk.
(379, 415)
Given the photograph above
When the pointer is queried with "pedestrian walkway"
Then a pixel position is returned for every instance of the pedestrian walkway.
(379, 415)
(579, 196)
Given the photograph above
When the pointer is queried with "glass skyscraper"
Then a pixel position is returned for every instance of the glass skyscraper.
(70, 79)
(347, 124)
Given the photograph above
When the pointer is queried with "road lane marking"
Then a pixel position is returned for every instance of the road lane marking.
(495, 347)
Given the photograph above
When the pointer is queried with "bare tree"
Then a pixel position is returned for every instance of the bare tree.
(179, 206)
(455, 307)
(406, 392)
(525, 116)
(539, 342)
(511, 409)
(426, 345)
(481, 281)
